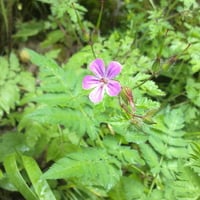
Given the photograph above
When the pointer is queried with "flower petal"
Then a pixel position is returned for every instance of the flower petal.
(114, 68)
(97, 94)
(90, 82)
(98, 68)
(113, 88)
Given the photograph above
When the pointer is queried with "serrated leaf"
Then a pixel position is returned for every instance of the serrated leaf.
(158, 144)
(80, 121)
(189, 178)
(14, 63)
(129, 188)
(42, 61)
(135, 137)
(149, 155)
(75, 61)
(176, 152)
(131, 156)
(52, 99)
(90, 166)
(152, 89)
(193, 93)
(9, 95)
(27, 81)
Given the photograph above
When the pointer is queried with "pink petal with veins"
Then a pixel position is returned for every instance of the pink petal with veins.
(98, 68)
(114, 68)
(90, 82)
(97, 94)
(113, 88)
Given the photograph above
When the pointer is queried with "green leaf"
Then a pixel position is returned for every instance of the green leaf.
(152, 89)
(158, 144)
(91, 166)
(16, 178)
(40, 186)
(189, 178)
(14, 63)
(193, 93)
(81, 121)
(27, 29)
(52, 99)
(175, 152)
(4, 70)
(149, 155)
(27, 81)
(131, 156)
(129, 188)
(9, 95)
(42, 61)
(12, 142)
(52, 37)
(75, 61)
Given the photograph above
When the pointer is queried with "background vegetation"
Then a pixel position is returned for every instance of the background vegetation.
(56, 144)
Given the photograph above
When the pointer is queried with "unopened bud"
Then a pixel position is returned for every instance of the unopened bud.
(127, 96)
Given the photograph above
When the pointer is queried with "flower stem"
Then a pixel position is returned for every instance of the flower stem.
(100, 15)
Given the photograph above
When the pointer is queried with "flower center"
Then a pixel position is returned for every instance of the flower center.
(104, 80)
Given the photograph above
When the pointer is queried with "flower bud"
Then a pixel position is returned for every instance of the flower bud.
(127, 97)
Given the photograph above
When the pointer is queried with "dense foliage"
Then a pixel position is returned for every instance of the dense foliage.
(143, 144)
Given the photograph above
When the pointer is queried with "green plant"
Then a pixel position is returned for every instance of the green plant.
(142, 144)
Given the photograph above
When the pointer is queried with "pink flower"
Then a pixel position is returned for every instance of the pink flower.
(102, 81)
